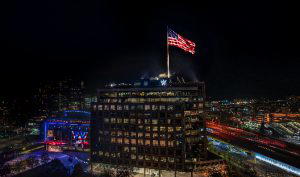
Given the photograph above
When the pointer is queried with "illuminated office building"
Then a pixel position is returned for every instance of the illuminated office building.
(155, 123)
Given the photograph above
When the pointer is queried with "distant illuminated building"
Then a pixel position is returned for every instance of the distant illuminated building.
(155, 124)
(55, 96)
(276, 117)
(69, 130)
(4, 111)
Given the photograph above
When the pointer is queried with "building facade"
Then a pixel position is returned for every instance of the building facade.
(154, 124)
(68, 130)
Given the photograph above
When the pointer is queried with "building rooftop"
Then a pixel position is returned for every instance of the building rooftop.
(160, 82)
(70, 115)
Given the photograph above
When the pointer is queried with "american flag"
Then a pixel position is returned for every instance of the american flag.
(175, 39)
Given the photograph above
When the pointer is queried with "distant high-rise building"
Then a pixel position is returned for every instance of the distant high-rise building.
(155, 123)
(56, 96)
(4, 111)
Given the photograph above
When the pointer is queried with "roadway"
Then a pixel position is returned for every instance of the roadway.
(276, 149)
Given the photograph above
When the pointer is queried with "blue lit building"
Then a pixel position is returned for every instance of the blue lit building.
(68, 130)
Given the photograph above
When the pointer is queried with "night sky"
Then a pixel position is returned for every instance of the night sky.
(244, 49)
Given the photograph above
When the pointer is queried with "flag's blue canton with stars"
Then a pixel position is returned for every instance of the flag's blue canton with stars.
(175, 39)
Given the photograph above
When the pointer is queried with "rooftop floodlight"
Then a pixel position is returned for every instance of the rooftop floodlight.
(163, 82)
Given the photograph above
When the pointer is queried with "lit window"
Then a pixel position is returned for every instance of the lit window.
(126, 134)
(132, 107)
(132, 121)
(126, 149)
(106, 154)
(126, 141)
(133, 156)
(200, 105)
(170, 129)
(113, 120)
(133, 134)
(140, 107)
(147, 107)
(140, 141)
(170, 143)
(178, 115)
(106, 120)
(169, 121)
(140, 134)
(162, 143)
(126, 107)
(154, 107)
(154, 128)
(120, 133)
(162, 129)
(170, 159)
(154, 121)
(120, 120)
(170, 107)
(133, 149)
(112, 107)
(106, 107)
(133, 141)
(162, 107)
(119, 107)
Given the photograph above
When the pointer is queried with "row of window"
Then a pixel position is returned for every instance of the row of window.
(151, 100)
(143, 121)
(140, 157)
(147, 128)
(161, 93)
(135, 107)
(146, 142)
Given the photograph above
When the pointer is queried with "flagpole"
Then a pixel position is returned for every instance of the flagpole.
(168, 57)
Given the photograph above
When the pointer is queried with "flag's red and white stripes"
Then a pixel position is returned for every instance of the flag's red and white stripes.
(175, 39)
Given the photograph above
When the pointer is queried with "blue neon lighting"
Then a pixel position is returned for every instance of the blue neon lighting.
(278, 164)
(66, 124)
(76, 111)
(45, 130)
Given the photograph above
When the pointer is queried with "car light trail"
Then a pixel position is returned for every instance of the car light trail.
(278, 164)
